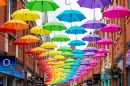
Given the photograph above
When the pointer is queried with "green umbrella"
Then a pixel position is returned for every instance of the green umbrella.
(68, 64)
(64, 49)
(60, 38)
(66, 71)
(69, 61)
(42, 5)
(67, 54)
(66, 67)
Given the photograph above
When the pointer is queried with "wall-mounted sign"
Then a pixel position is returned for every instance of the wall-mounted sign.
(39, 81)
(96, 77)
(7, 63)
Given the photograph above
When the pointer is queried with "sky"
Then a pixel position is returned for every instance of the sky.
(89, 14)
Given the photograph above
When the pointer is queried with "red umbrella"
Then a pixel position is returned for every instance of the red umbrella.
(42, 62)
(18, 42)
(45, 69)
(28, 51)
(7, 30)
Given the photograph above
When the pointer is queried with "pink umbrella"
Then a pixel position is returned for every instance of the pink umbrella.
(88, 68)
(102, 51)
(99, 55)
(105, 42)
(111, 28)
(116, 12)
(84, 72)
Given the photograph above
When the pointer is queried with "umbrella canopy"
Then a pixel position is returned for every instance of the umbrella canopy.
(111, 28)
(42, 5)
(93, 24)
(64, 49)
(54, 52)
(71, 16)
(66, 71)
(2, 2)
(80, 69)
(18, 42)
(102, 51)
(68, 64)
(25, 15)
(99, 55)
(50, 60)
(41, 55)
(89, 54)
(59, 70)
(66, 67)
(48, 45)
(78, 56)
(85, 63)
(88, 59)
(39, 30)
(67, 54)
(54, 26)
(116, 12)
(78, 60)
(38, 50)
(60, 63)
(74, 68)
(82, 66)
(75, 30)
(42, 62)
(50, 63)
(77, 43)
(90, 49)
(59, 57)
(28, 51)
(29, 38)
(7, 30)
(94, 3)
(91, 37)
(60, 38)
(77, 51)
(16, 24)
(105, 42)
(88, 68)
(94, 62)
(69, 60)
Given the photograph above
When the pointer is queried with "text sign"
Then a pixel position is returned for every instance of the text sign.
(39, 81)
(89, 82)
(7, 63)
(96, 77)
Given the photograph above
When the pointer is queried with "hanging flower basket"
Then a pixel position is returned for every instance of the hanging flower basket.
(30, 81)
(115, 71)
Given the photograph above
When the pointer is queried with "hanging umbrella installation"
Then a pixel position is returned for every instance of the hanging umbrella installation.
(29, 38)
(18, 42)
(60, 38)
(2, 3)
(7, 30)
(64, 49)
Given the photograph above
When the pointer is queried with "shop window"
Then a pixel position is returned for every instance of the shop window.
(11, 8)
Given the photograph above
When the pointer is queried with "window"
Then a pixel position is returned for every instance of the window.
(11, 8)
(105, 36)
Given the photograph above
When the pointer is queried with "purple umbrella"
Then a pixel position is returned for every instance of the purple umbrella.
(89, 54)
(91, 37)
(82, 66)
(88, 59)
(77, 74)
(90, 49)
(80, 69)
(85, 63)
(93, 24)
(94, 3)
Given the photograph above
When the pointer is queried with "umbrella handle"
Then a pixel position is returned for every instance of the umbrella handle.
(67, 3)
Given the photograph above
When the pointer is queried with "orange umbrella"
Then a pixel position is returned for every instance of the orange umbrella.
(43, 54)
(38, 50)
(16, 24)
(50, 63)
(2, 2)
(50, 60)
(29, 38)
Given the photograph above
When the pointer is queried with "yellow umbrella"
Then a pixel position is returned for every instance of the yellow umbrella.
(50, 60)
(25, 15)
(60, 70)
(38, 50)
(54, 52)
(48, 45)
(59, 57)
(39, 30)
(60, 64)
(43, 54)
(16, 24)
(29, 38)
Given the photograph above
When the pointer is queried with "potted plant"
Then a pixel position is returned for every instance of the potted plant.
(115, 71)
(30, 81)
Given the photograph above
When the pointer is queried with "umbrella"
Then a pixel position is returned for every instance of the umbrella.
(102, 51)
(77, 43)
(38, 50)
(77, 51)
(116, 12)
(88, 59)
(54, 52)
(18, 42)
(78, 56)
(82, 66)
(50, 63)
(105, 42)
(68, 64)
(80, 69)
(29, 38)
(99, 55)
(85, 63)
(66, 67)
(88, 68)
(28, 51)
(59, 70)
(2, 2)
(41, 55)
(94, 3)
(64, 49)
(16, 24)
(25, 15)
(94, 62)
(78, 60)
(39, 30)
(66, 71)
(90, 49)
(59, 57)
(67, 54)
(60, 63)
(89, 54)
(74, 68)
(69, 60)
(42, 5)
(75, 30)
(93, 24)
(50, 60)
(60, 38)
(48, 45)
(91, 37)
(7, 30)
(111, 28)
(72, 72)
(71, 16)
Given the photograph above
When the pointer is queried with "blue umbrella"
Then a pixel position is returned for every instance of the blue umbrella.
(72, 72)
(77, 51)
(75, 30)
(75, 64)
(77, 43)
(78, 60)
(71, 16)
(74, 67)
(78, 56)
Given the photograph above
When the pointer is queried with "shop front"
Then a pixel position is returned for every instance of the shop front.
(105, 79)
(128, 67)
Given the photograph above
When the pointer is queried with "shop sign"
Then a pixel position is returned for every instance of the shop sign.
(96, 77)
(1, 83)
(7, 63)
(39, 81)
(89, 82)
